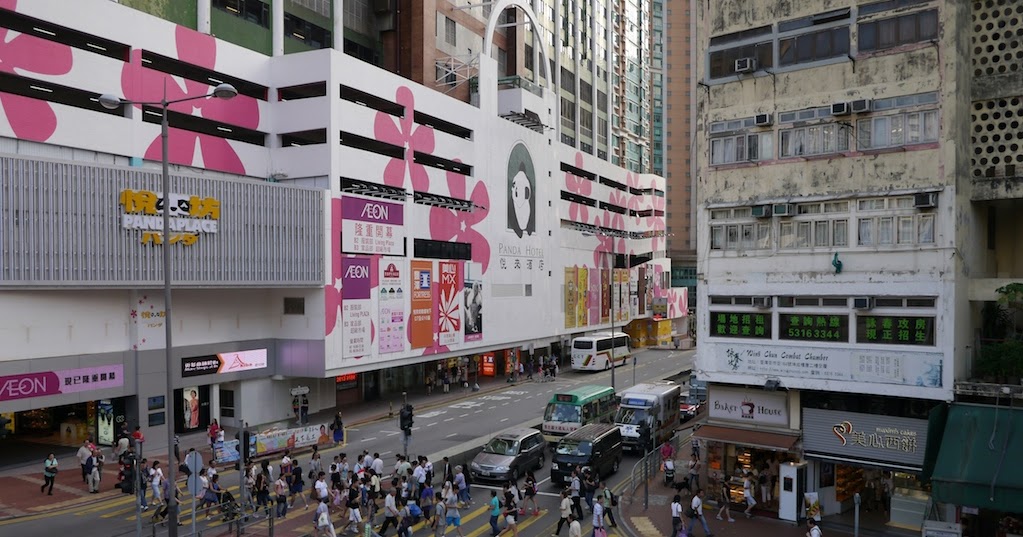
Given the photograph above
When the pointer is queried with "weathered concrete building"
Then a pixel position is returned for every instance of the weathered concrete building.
(858, 171)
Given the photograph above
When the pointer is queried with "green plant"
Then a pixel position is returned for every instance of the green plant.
(996, 321)
(1011, 295)
(1001, 360)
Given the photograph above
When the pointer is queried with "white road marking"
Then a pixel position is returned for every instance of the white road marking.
(432, 414)
(391, 433)
(477, 412)
(466, 414)
(504, 403)
(491, 407)
(450, 435)
(448, 419)
(504, 420)
(515, 392)
(494, 398)
(370, 439)
(431, 424)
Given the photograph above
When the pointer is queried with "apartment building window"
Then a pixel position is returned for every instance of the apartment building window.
(813, 233)
(735, 237)
(901, 225)
(814, 140)
(814, 46)
(450, 32)
(889, 33)
(897, 130)
(722, 62)
(741, 148)
(567, 113)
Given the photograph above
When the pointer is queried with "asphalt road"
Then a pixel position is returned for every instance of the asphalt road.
(449, 429)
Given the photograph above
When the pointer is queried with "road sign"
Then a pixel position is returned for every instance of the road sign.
(300, 390)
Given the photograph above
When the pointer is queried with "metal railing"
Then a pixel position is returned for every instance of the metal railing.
(649, 466)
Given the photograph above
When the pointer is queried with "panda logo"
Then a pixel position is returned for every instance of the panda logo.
(521, 191)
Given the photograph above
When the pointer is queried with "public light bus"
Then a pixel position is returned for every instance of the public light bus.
(571, 410)
(595, 352)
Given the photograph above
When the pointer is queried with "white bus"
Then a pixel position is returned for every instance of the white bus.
(594, 352)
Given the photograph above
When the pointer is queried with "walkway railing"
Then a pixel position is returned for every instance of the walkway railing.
(649, 466)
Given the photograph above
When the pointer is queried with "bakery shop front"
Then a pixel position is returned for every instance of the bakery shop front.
(879, 457)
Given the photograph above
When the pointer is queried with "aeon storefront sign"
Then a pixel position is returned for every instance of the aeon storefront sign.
(29, 385)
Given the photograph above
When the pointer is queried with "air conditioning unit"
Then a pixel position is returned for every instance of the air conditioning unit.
(863, 302)
(860, 106)
(745, 65)
(762, 302)
(840, 109)
(761, 211)
(783, 209)
(763, 120)
(926, 200)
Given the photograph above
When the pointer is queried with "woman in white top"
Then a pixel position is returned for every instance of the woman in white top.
(157, 481)
(747, 493)
(677, 523)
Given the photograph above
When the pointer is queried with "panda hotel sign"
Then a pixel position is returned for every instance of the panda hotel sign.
(190, 216)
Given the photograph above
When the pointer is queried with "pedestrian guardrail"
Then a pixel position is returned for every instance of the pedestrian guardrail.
(650, 465)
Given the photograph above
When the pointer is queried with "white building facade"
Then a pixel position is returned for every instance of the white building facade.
(336, 228)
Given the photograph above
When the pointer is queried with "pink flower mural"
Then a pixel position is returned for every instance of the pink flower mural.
(578, 212)
(678, 302)
(27, 55)
(332, 291)
(635, 202)
(452, 225)
(142, 84)
(607, 244)
(404, 132)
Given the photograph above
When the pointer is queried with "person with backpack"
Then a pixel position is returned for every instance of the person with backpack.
(610, 501)
(49, 473)
(726, 500)
(262, 487)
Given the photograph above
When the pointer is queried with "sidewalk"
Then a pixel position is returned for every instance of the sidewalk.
(656, 520)
(19, 485)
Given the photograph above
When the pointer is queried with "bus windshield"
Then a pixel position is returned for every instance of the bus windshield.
(565, 412)
(582, 344)
(631, 416)
(574, 448)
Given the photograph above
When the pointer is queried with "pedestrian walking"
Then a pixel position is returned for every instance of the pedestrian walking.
(495, 513)
(304, 408)
(453, 516)
(812, 530)
(297, 486)
(694, 472)
(263, 491)
(747, 494)
(322, 521)
(696, 513)
(565, 510)
(83, 454)
(677, 525)
(529, 490)
(49, 473)
(589, 488)
(338, 428)
(511, 511)
(463, 487)
(94, 467)
(610, 502)
(598, 518)
(725, 501)
(440, 512)
(281, 493)
(574, 529)
(574, 489)
(213, 431)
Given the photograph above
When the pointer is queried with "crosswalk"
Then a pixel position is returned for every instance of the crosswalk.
(475, 519)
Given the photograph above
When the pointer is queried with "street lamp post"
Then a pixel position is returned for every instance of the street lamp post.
(113, 102)
(614, 310)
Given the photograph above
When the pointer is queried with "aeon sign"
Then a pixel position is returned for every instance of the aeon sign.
(30, 385)
(372, 226)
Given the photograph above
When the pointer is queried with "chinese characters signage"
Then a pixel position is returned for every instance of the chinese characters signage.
(29, 385)
(422, 304)
(392, 305)
(871, 437)
(372, 226)
(190, 216)
(740, 324)
(449, 302)
(907, 368)
(225, 362)
(813, 327)
(355, 306)
(895, 330)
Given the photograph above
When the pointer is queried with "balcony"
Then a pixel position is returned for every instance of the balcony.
(1002, 260)
(521, 102)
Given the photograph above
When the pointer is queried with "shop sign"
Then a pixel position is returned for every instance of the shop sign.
(449, 302)
(190, 216)
(372, 226)
(906, 368)
(355, 306)
(895, 330)
(346, 381)
(871, 437)
(225, 362)
(391, 305)
(29, 385)
(740, 324)
(813, 327)
(749, 406)
(421, 321)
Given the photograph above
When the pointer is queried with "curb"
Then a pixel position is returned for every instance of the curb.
(365, 421)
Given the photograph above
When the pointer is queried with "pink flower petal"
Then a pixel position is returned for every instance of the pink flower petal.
(28, 53)
(420, 178)
(30, 119)
(218, 154)
(196, 48)
(385, 130)
(422, 139)
(406, 98)
(394, 173)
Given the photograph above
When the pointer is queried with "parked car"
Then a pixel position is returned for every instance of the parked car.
(509, 455)
(597, 448)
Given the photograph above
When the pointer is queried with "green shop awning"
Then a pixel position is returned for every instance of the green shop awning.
(978, 462)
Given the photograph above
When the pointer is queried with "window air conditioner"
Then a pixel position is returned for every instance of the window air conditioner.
(860, 106)
(926, 200)
(745, 65)
(840, 109)
(863, 302)
(783, 209)
(762, 302)
(761, 211)
(763, 120)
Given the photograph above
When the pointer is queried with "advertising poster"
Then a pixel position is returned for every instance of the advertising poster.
(372, 226)
(225, 362)
(642, 291)
(605, 296)
(594, 304)
(190, 408)
(421, 322)
(146, 313)
(582, 301)
(812, 503)
(571, 297)
(449, 302)
(355, 306)
(299, 437)
(489, 365)
(105, 422)
(391, 306)
(473, 296)
(620, 300)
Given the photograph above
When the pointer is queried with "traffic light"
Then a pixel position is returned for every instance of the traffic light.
(405, 419)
